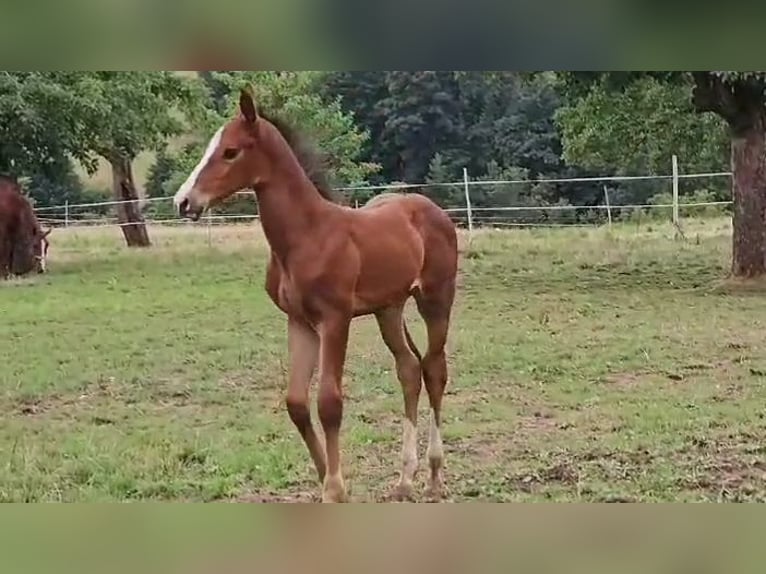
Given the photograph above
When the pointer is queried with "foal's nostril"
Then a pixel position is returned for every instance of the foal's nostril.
(183, 207)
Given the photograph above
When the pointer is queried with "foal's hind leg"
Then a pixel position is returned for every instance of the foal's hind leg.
(391, 323)
(435, 309)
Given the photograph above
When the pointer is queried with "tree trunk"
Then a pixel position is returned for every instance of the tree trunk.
(128, 214)
(748, 154)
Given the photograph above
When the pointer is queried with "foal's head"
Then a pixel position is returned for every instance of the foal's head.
(234, 159)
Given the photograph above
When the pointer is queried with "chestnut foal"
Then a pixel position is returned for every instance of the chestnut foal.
(330, 263)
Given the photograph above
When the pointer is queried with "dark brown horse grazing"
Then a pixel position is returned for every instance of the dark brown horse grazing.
(23, 243)
(330, 263)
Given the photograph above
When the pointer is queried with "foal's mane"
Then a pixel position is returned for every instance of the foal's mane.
(311, 159)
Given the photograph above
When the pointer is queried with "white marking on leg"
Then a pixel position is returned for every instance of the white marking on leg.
(188, 185)
(409, 451)
(435, 451)
(435, 454)
(43, 256)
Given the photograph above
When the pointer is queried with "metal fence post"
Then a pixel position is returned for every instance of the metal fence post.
(468, 203)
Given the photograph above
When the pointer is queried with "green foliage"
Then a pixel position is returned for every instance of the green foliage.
(522, 130)
(361, 94)
(517, 193)
(41, 122)
(578, 84)
(733, 77)
(469, 119)
(512, 187)
(293, 96)
(380, 127)
(54, 187)
(632, 123)
(159, 172)
(439, 174)
(130, 112)
(637, 129)
(698, 196)
(423, 116)
(49, 118)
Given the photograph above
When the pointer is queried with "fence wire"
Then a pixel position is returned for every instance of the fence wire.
(470, 203)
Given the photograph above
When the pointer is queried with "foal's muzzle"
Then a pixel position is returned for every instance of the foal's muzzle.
(186, 209)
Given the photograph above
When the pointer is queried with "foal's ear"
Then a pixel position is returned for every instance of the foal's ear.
(247, 104)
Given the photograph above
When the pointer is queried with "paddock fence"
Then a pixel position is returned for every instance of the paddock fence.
(472, 203)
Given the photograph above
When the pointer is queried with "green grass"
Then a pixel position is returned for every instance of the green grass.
(587, 365)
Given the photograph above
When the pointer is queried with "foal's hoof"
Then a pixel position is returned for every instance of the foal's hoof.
(435, 491)
(334, 491)
(403, 492)
(338, 496)
(334, 498)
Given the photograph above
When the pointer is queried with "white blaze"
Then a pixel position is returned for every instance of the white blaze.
(187, 186)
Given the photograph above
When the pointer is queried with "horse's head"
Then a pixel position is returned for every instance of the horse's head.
(40, 250)
(235, 159)
(30, 252)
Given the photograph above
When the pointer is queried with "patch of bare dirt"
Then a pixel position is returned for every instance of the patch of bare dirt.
(730, 467)
(30, 406)
(631, 380)
(540, 422)
(480, 450)
(577, 469)
(616, 498)
(728, 480)
(39, 405)
(563, 472)
(725, 368)
(624, 380)
(278, 498)
(102, 392)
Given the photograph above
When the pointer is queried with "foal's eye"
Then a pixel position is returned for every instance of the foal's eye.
(230, 153)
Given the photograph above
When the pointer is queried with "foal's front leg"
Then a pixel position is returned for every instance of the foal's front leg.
(303, 347)
(333, 333)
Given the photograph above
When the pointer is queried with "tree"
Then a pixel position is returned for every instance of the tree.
(41, 125)
(469, 118)
(360, 95)
(130, 112)
(638, 129)
(55, 185)
(518, 120)
(423, 116)
(410, 116)
(739, 98)
(438, 175)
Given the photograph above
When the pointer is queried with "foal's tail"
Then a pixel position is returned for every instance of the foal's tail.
(410, 342)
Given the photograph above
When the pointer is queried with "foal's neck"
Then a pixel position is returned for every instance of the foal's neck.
(289, 204)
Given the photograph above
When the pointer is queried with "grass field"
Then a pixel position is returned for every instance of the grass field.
(587, 365)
